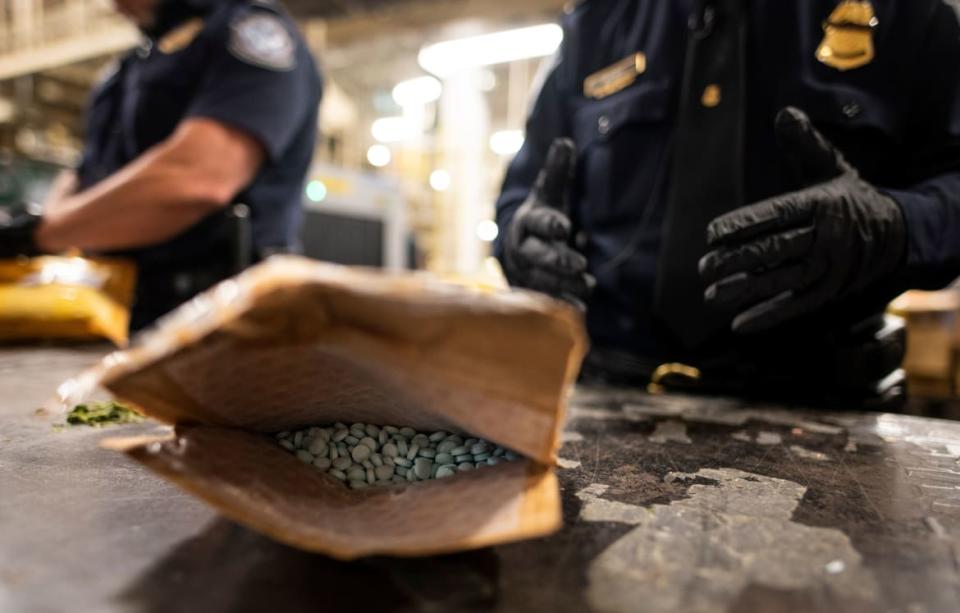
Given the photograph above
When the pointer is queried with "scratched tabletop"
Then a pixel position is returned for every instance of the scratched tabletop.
(670, 503)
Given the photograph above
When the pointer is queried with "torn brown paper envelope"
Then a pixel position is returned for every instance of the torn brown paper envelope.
(294, 343)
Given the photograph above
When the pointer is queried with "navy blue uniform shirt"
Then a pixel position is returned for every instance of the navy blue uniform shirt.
(246, 67)
(896, 119)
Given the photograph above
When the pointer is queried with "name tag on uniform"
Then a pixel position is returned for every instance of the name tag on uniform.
(848, 36)
(615, 77)
(180, 37)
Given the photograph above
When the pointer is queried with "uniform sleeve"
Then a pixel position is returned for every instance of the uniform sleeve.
(259, 79)
(546, 121)
(931, 206)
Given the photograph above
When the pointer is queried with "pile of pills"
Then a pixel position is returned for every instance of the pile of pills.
(363, 455)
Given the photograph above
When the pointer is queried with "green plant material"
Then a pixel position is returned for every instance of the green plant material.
(98, 414)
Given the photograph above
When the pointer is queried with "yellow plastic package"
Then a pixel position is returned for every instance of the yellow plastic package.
(65, 297)
(292, 343)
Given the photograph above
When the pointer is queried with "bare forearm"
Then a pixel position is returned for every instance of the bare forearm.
(150, 201)
(65, 185)
(197, 170)
(127, 228)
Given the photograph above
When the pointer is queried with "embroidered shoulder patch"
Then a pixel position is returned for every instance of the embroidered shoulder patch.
(263, 40)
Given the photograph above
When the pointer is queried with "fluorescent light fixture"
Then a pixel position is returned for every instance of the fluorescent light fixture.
(417, 92)
(8, 110)
(392, 129)
(506, 142)
(379, 155)
(488, 80)
(493, 268)
(446, 58)
(487, 230)
(440, 180)
(316, 191)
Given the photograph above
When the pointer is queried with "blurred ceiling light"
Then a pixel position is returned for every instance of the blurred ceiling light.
(7, 110)
(392, 129)
(487, 230)
(506, 142)
(316, 190)
(337, 110)
(492, 265)
(26, 139)
(50, 91)
(444, 59)
(418, 91)
(488, 81)
(379, 155)
(440, 180)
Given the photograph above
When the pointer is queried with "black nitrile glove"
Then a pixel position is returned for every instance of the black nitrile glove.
(17, 234)
(795, 253)
(536, 250)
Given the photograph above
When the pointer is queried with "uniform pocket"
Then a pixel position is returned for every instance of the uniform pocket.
(845, 106)
(864, 125)
(621, 141)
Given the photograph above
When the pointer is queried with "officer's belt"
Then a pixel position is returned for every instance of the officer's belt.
(176, 286)
(859, 370)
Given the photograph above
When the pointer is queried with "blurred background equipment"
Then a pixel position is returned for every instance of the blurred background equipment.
(932, 362)
(355, 218)
(23, 180)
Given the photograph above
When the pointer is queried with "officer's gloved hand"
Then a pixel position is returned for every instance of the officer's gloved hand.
(792, 254)
(17, 233)
(536, 250)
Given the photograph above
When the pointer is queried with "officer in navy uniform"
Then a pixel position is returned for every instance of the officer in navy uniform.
(737, 188)
(218, 106)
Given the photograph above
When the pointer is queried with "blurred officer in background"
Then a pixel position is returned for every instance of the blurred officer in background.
(218, 106)
(744, 187)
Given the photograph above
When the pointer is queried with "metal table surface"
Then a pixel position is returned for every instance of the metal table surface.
(670, 503)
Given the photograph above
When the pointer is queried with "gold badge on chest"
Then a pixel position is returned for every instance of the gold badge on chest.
(180, 37)
(848, 35)
(615, 77)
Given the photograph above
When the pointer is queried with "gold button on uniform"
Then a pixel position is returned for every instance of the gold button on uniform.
(712, 94)
(603, 124)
